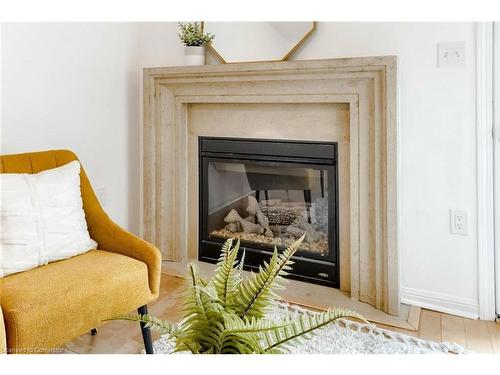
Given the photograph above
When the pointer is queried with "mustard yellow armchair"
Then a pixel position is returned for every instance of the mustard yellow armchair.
(47, 306)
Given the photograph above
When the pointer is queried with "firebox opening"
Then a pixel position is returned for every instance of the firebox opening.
(268, 193)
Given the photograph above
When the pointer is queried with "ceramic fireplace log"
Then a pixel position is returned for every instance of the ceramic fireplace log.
(248, 227)
(254, 209)
(234, 227)
(300, 227)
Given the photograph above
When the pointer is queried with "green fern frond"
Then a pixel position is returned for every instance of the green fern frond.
(256, 294)
(303, 326)
(162, 326)
(232, 300)
(203, 320)
(226, 314)
(236, 325)
(225, 278)
(239, 267)
(240, 344)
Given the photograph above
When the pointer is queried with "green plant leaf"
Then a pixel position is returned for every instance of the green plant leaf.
(225, 279)
(162, 326)
(203, 320)
(256, 293)
(227, 313)
(303, 326)
(191, 34)
(236, 325)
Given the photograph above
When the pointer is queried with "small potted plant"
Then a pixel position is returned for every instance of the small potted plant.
(195, 40)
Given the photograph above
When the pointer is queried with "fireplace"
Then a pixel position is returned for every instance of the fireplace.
(351, 102)
(269, 193)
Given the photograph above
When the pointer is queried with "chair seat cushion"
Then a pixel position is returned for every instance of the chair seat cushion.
(49, 305)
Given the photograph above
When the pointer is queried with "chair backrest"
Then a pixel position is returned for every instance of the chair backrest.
(34, 162)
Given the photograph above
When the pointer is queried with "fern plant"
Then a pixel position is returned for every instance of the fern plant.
(227, 314)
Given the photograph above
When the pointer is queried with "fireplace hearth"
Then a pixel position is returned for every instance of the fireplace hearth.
(269, 193)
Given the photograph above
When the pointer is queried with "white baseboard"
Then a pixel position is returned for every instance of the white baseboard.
(446, 303)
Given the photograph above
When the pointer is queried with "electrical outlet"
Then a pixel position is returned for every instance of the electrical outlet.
(101, 193)
(458, 222)
(451, 54)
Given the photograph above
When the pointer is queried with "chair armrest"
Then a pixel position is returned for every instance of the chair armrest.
(111, 237)
(3, 335)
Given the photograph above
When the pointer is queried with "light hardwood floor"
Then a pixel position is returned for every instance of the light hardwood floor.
(125, 337)
(476, 336)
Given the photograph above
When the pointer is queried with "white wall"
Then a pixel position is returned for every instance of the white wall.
(78, 86)
(437, 152)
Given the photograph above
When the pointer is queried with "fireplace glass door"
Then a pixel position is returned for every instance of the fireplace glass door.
(270, 200)
(268, 203)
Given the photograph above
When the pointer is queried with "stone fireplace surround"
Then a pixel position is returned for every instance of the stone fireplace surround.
(350, 101)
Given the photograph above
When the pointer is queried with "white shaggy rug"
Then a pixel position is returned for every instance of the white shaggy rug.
(347, 337)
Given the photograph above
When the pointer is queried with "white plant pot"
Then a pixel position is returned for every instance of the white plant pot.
(194, 55)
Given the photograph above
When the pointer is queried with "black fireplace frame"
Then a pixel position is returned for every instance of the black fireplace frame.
(308, 266)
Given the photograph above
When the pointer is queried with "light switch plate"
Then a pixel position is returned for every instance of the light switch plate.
(451, 54)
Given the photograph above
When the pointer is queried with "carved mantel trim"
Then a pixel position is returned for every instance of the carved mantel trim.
(368, 85)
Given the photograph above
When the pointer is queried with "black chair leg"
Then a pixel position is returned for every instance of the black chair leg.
(93, 332)
(146, 332)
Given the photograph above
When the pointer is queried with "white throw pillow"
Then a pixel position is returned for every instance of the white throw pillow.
(42, 218)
